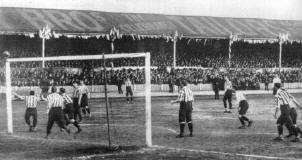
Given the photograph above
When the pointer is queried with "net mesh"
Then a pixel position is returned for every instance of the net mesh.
(126, 118)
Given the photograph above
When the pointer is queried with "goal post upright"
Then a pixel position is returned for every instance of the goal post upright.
(148, 122)
(9, 111)
(148, 100)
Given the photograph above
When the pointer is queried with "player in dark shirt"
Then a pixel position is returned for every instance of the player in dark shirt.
(69, 109)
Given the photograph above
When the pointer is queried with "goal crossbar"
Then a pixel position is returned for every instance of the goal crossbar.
(78, 57)
(148, 122)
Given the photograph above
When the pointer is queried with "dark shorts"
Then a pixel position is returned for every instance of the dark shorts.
(228, 93)
(56, 115)
(275, 89)
(84, 101)
(69, 110)
(129, 91)
(293, 115)
(75, 103)
(185, 112)
(244, 106)
(284, 116)
(31, 111)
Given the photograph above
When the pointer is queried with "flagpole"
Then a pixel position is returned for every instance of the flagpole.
(230, 50)
(43, 52)
(112, 46)
(282, 38)
(44, 33)
(174, 48)
(280, 54)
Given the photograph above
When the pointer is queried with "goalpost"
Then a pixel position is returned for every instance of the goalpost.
(148, 125)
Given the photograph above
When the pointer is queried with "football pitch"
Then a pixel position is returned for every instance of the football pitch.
(216, 134)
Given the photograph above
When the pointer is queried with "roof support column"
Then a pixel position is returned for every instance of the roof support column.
(282, 38)
(280, 54)
(112, 46)
(230, 51)
(44, 33)
(233, 38)
(174, 48)
(43, 52)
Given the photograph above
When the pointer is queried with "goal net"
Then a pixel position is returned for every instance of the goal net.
(113, 119)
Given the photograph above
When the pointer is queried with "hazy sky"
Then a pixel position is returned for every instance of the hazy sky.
(271, 9)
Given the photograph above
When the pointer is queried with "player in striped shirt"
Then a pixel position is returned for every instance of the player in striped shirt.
(185, 98)
(129, 92)
(69, 110)
(31, 103)
(55, 111)
(83, 98)
(283, 100)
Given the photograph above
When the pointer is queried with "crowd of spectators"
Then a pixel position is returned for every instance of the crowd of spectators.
(206, 53)
(242, 78)
(200, 61)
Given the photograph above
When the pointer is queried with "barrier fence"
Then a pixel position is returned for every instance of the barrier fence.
(97, 89)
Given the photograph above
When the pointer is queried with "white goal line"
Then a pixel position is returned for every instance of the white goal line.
(78, 57)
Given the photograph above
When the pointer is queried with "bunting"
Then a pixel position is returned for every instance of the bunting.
(45, 32)
(233, 38)
(114, 34)
(283, 37)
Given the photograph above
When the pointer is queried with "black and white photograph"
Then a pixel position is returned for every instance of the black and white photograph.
(151, 79)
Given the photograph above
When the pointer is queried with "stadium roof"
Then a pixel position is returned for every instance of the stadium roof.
(28, 20)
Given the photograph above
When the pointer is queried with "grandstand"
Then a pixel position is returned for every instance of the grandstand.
(191, 47)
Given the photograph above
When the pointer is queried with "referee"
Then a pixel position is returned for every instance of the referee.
(69, 110)
(185, 98)
(283, 100)
(55, 111)
(31, 103)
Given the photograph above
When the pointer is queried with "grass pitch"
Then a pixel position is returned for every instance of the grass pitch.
(215, 133)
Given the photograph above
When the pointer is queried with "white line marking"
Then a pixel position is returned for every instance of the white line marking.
(174, 131)
(129, 125)
(226, 153)
(154, 147)
(118, 125)
(204, 116)
(259, 133)
(98, 112)
(102, 155)
(55, 140)
(166, 128)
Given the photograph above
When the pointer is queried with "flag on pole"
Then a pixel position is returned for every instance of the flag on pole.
(233, 37)
(283, 37)
(114, 34)
(45, 32)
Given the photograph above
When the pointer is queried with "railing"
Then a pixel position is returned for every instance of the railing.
(140, 88)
